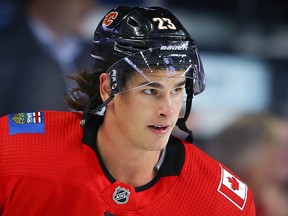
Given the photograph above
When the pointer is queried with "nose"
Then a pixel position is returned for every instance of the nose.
(166, 108)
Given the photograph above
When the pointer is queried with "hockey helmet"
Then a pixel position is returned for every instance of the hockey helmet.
(144, 41)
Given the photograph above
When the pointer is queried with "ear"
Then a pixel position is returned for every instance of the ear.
(105, 89)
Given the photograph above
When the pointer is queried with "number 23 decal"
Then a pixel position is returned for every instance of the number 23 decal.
(164, 23)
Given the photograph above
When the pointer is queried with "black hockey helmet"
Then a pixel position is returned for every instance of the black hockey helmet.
(131, 40)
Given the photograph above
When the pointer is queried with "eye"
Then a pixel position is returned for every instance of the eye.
(150, 91)
(177, 91)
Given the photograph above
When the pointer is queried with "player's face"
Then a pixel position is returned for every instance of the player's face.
(147, 114)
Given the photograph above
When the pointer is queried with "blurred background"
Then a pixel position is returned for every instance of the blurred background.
(244, 49)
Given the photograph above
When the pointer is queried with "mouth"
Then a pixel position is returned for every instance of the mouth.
(159, 128)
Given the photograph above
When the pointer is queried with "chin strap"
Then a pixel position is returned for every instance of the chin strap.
(88, 111)
(181, 123)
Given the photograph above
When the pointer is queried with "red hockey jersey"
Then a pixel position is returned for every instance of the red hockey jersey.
(49, 165)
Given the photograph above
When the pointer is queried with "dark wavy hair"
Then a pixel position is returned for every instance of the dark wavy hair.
(86, 91)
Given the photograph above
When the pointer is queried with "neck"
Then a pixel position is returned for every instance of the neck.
(124, 161)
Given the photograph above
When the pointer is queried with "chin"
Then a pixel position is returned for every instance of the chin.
(162, 142)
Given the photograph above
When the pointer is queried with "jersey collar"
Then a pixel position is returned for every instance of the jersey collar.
(170, 162)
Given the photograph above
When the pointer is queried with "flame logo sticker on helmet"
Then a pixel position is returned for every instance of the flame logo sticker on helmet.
(109, 18)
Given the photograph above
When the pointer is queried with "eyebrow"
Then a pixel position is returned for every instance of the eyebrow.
(158, 85)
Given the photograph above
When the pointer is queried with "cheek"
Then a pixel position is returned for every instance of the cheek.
(133, 109)
(124, 105)
(178, 105)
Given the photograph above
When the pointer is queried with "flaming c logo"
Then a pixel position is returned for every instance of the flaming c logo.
(109, 18)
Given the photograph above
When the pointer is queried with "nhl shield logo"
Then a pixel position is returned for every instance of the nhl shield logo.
(121, 195)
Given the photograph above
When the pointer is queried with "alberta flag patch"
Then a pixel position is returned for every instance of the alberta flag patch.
(233, 189)
(26, 123)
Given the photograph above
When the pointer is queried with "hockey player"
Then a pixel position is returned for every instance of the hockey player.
(116, 155)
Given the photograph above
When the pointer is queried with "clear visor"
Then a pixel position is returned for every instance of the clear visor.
(156, 64)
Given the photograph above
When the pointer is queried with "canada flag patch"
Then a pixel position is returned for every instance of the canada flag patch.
(233, 188)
